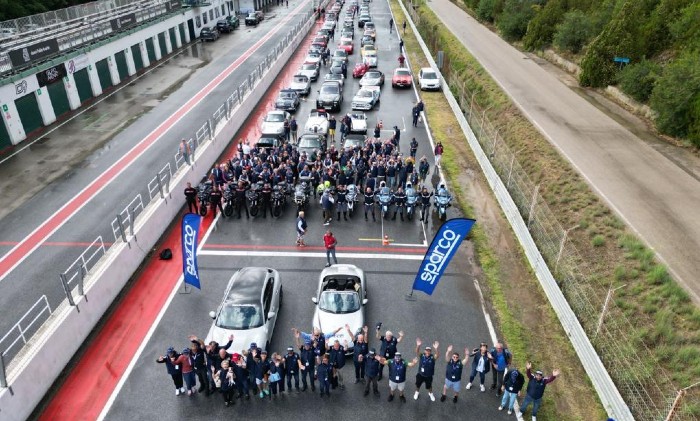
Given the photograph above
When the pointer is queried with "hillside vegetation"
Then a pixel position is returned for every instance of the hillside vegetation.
(12, 9)
(660, 37)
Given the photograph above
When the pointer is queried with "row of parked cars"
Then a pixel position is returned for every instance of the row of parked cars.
(223, 26)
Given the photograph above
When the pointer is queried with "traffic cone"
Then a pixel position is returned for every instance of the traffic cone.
(385, 241)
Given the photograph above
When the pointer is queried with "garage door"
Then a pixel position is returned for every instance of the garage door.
(161, 41)
(102, 67)
(82, 82)
(4, 137)
(29, 113)
(136, 54)
(123, 69)
(151, 49)
(173, 40)
(59, 98)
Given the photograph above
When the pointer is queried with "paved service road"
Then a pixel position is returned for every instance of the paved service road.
(37, 242)
(656, 197)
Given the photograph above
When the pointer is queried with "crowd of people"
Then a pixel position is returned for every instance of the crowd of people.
(314, 362)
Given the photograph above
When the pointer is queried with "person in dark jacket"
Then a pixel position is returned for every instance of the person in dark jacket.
(372, 371)
(199, 362)
(426, 368)
(336, 358)
(215, 198)
(324, 371)
(359, 352)
(291, 365)
(174, 370)
(241, 372)
(262, 372)
(276, 370)
(227, 379)
(307, 363)
(212, 351)
(480, 364)
(500, 360)
(512, 384)
(191, 198)
(388, 346)
(453, 373)
(240, 199)
(535, 390)
(369, 203)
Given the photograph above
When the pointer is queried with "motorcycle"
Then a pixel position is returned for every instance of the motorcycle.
(411, 199)
(351, 197)
(442, 202)
(384, 197)
(301, 198)
(204, 190)
(279, 199)
(229, 194)
(253, 196)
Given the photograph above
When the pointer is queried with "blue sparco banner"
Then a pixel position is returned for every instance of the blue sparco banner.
(442, 248)
(190, 236)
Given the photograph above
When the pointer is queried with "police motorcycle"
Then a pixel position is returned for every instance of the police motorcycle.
(351, 197)
(384, 199)
(204, 190)
(302, 192)
(253, 196)
(443, 200)
(411, 200)
(279, 199)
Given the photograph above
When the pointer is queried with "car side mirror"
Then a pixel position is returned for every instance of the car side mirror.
(314, 300)
(271, 314)
(212, 314)
(364, 301)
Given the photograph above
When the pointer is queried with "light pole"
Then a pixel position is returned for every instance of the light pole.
(605, 308)
(561, 246)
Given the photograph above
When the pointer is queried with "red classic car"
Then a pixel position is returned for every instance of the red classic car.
(346, 45)
(402, 78)
(360, 70)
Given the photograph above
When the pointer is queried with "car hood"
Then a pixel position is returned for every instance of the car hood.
(272, 127)
(299, 85)
(241, 338)
(329, 322)
(362, 99)
(329, 97)
(308, 73)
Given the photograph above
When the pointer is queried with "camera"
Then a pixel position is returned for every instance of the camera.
(379, 326)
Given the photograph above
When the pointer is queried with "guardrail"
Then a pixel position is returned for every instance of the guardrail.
(608, 393)
(123, 225)
(20, 333)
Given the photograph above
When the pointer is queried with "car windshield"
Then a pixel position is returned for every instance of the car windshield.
(275, 117)
(301, 79)
(339, 301)
(403, 73)
(308, 66)
(346, 42)
(363, 93)
(372, 75)
(330, 89)
(286, 95)
(340, 53)
(239, 317)
(429, 75)
(358, 116)
(309, 142)
(370, 54)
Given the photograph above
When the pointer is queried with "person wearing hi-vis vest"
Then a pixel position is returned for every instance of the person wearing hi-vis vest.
(397, 374)
(426, 368)
(453, 373)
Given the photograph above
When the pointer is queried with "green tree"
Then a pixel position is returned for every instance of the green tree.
(515, 17)
(656, 31)
(574, 32)
(686, 28)
(676, 97)
(620, 37)
(486, 10)
(638, 79)
(540, 31)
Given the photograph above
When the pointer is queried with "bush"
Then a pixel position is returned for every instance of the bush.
(514, 20)
(598, 241)
(637, 80)
(574, 31)
(486, 10)
(686, 29)
(540, 31)
(676, 96)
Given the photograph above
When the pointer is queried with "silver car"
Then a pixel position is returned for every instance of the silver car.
(340, 299)
(273, 123)
(249, 309)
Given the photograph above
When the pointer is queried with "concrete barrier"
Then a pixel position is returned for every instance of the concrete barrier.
(38, 365)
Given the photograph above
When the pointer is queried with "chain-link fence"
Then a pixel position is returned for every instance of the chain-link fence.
(648, 391)
(13, 344)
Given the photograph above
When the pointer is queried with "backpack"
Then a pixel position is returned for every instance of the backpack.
(166, 254)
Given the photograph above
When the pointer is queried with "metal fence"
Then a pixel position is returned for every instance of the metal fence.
(122, 226)
(74, 26)
(647, 390)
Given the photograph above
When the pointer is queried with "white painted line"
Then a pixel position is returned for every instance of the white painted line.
(407, 245)
(250, 253)
(492, 331)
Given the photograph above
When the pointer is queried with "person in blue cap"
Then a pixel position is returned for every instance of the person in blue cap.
(307, 364)
(262, 372)
(175, 370)
(397, 374)
(535, 390)
(372, 371)
(250, 366)
(291, 365)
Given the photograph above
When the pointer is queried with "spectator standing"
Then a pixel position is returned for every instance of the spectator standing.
(174, 369)
(404, 28)
(307, 364)
(301, 229)
(415, 114)
(323, 374)
(372, 365)
(453, 373)
(276, 369)
(426, 368)
(391, 25)
(191, 198)
(438, 154)
(331, 128)
(293, 127)
(369, 203)
(359, 352)
(187, 371)
(402, 59)
(291, 365)
(500, 360)
(327, 205)
(262, 372)
(185, 151)
(401, 43)
(480, 364)
(535, 390)
(241, 201)
(287, 129)
(197, 355)
(215, 198)
(330, 242)
(226, 378)
(397, 374)
(388, 346)
(336, 358)
(512, 384)
(414, 148)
